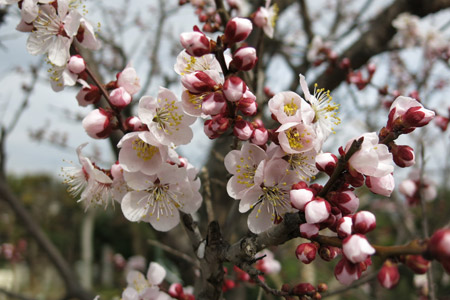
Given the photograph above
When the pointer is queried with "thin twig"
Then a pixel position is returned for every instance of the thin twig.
(207, 197)
(175, 252)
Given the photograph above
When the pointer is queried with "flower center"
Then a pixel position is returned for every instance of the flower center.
(324, 108)
(167, 116)
(143, 150)
(161, 201)
(290, 108)
(297, 139)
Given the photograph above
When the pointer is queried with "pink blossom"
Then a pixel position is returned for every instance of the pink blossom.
(243, 129)
(346, 200)
(356, 248)
(408, 187)
(76, 64)
(300, 197)
(187, 64)
(268, 265)
(372, 159)
(234, 88)
(214, 103)
(165, 118)
(259, 136)
(87, 37)
(381, 185)
(266, 17)
(344, 227)
(346, 272)
(145, 287)
(248, 106)
(409, 113)
(199, 82)
(89, 94)
(129, 80)
(326, 162)
(289, 107)
(297, 138)
(133, 123)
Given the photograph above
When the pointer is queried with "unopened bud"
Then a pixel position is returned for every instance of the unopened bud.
(234, 88)
(196, 43)
(326, 162)
(328, 253)
(317, 211)
(260, 136)
(243, 130)
(237, 30)
(344, 227)
(198, 82)
(120, 98)
(248, 106)
(403, 155)
(417, 263)
(381, 185)
(388, 276)
(363, 222)
(309, 231)
(98, 124)
(244, 59)
(133, 123)
(89, 94)
(214, 104)
(76, 64)
(304, 289)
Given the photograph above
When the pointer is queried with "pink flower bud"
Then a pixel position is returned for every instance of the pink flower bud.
(326, 162)
(304, 289)
(214, 104)
(439, 245)
(328, 253)
(76, 64)
(261, 17)
(418, 117)
(408, 188)
(317, 211)
(441, 122)
(306, 252)
(120, 98)
(346, 272)
(300, 197)
(133, 124)
(347, 201)
(407, 113)
(207, 128)
(234, 88)
(403, 155)
(196, 43)
(417, 263)
(243, 130)
(356, 248)
(220, 123)
(344, 227)
(381, 185)
(176, 291)
(97, 124)
(244, 59)
(260, 136)
(309, 231)
(388, 276)
(248, 106)
(237, 30)
(90, 94)
(363, 222)
(198, 82)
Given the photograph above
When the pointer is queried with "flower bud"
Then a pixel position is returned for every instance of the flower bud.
(306, 252)
(417, 263)
(244, 59)
(418, 117)
(317, 211)
(328, 253)
(408, 188)
(120, 98)
(220, 123)
(344, 227)
(76, 64)
(214, 104)
(388, 276)
(407, 113)
(234, 88)
(439, 245)
(98, 124)
(89, 94)
(243, 130)
(260, 136)
(248, 106)
(237, 30)
(403, 155)
(133, 124)
(261, 17)
(300, 197)
(304, 289)
(309, 231)
(347, 201)
(207, 128)
(346, 272)
(381, 185)
(196, 43)
(356, 248)
(441, 122)
(116, 171)
(326, 162)
(363, 222)
(198, 82)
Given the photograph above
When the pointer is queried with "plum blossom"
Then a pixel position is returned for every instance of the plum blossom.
(141, 287)
(242, 164)
(266, 18)
(92, 184)
(408, 30)
(325, 111)
(268, 265)
(372, 159)
(140, 151)
(157, 199)
(29, 8)
(61, 76)
(187, 64)
(289, 107)
(54, 32)
(297, 138)
(269, 196)
(356, 248)
(129, 80)
(165, 118)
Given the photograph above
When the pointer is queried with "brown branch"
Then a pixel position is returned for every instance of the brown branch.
(207, 196)
(73, 287)
(306, 20)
